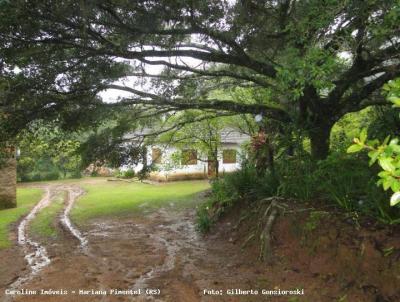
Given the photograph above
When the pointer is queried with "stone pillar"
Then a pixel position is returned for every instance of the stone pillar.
(8, 183)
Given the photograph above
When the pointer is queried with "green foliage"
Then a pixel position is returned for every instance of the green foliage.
(392, 89)
(341, 180)
(301, 78)
(313, 221)
(130, 173)
(348, 126)
(244, 184)
(296, 177)
(387, 153)
(203, 219)
(47, 153)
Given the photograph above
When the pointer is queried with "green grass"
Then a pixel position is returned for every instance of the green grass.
(125, 199)
(44, 223)
(26, 199)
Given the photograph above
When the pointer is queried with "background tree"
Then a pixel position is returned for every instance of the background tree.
(48, 153)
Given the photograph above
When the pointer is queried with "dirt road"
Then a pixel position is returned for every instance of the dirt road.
(158, 254)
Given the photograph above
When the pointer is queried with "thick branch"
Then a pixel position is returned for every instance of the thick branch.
(214, 104)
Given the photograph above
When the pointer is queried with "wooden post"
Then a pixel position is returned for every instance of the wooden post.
(8, 180)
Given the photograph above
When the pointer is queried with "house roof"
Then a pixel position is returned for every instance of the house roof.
(231, 136)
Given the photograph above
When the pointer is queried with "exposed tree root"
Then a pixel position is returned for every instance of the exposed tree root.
(266, 223)
(251, 236)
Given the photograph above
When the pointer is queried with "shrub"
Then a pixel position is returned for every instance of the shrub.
(52, 175)
(343, 180)
(296, 177)
(40, 176)
(130, 173)
(203, 220)
(76, 174)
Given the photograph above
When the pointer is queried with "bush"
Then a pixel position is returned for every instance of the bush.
(242, 184)
(76, 174)
(40, 176)
(130, 173)
(344, 180)
(341, 179)
(52, 175)
(296, 177)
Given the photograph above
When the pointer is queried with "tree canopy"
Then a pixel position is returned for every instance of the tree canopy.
(313, 60)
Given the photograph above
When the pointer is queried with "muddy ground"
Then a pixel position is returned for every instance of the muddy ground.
(161, 252)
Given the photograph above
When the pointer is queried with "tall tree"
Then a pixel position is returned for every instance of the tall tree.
(318, 60)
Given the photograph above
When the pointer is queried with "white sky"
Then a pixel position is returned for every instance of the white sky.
(113, 95)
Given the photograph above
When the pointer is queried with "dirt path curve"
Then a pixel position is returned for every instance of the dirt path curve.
(158, 252)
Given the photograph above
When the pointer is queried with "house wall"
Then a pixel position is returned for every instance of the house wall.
(168, 170)
(197, 171)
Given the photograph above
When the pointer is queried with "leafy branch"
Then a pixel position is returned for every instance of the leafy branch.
(387, 153)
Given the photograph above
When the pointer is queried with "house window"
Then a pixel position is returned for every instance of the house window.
(189, 157)
(229, 156)
(156, 155)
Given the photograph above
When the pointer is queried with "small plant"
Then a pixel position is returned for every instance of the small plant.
(314, 220)
(203, 221)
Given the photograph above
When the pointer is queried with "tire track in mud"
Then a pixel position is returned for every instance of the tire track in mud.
(73, 194)
(36, 254)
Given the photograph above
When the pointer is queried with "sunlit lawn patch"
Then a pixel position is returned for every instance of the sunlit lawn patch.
(124, 199)
(44, 223)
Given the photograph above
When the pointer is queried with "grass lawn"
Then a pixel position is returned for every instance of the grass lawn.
(44, 222)
(26, 199)
(123, 199)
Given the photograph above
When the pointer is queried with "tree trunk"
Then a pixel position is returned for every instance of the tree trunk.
(320, 141)
(8, 184)
(216, 162)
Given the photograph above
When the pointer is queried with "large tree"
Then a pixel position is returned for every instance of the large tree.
(315, 60)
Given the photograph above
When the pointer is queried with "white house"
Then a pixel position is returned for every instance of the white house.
(172, 163)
